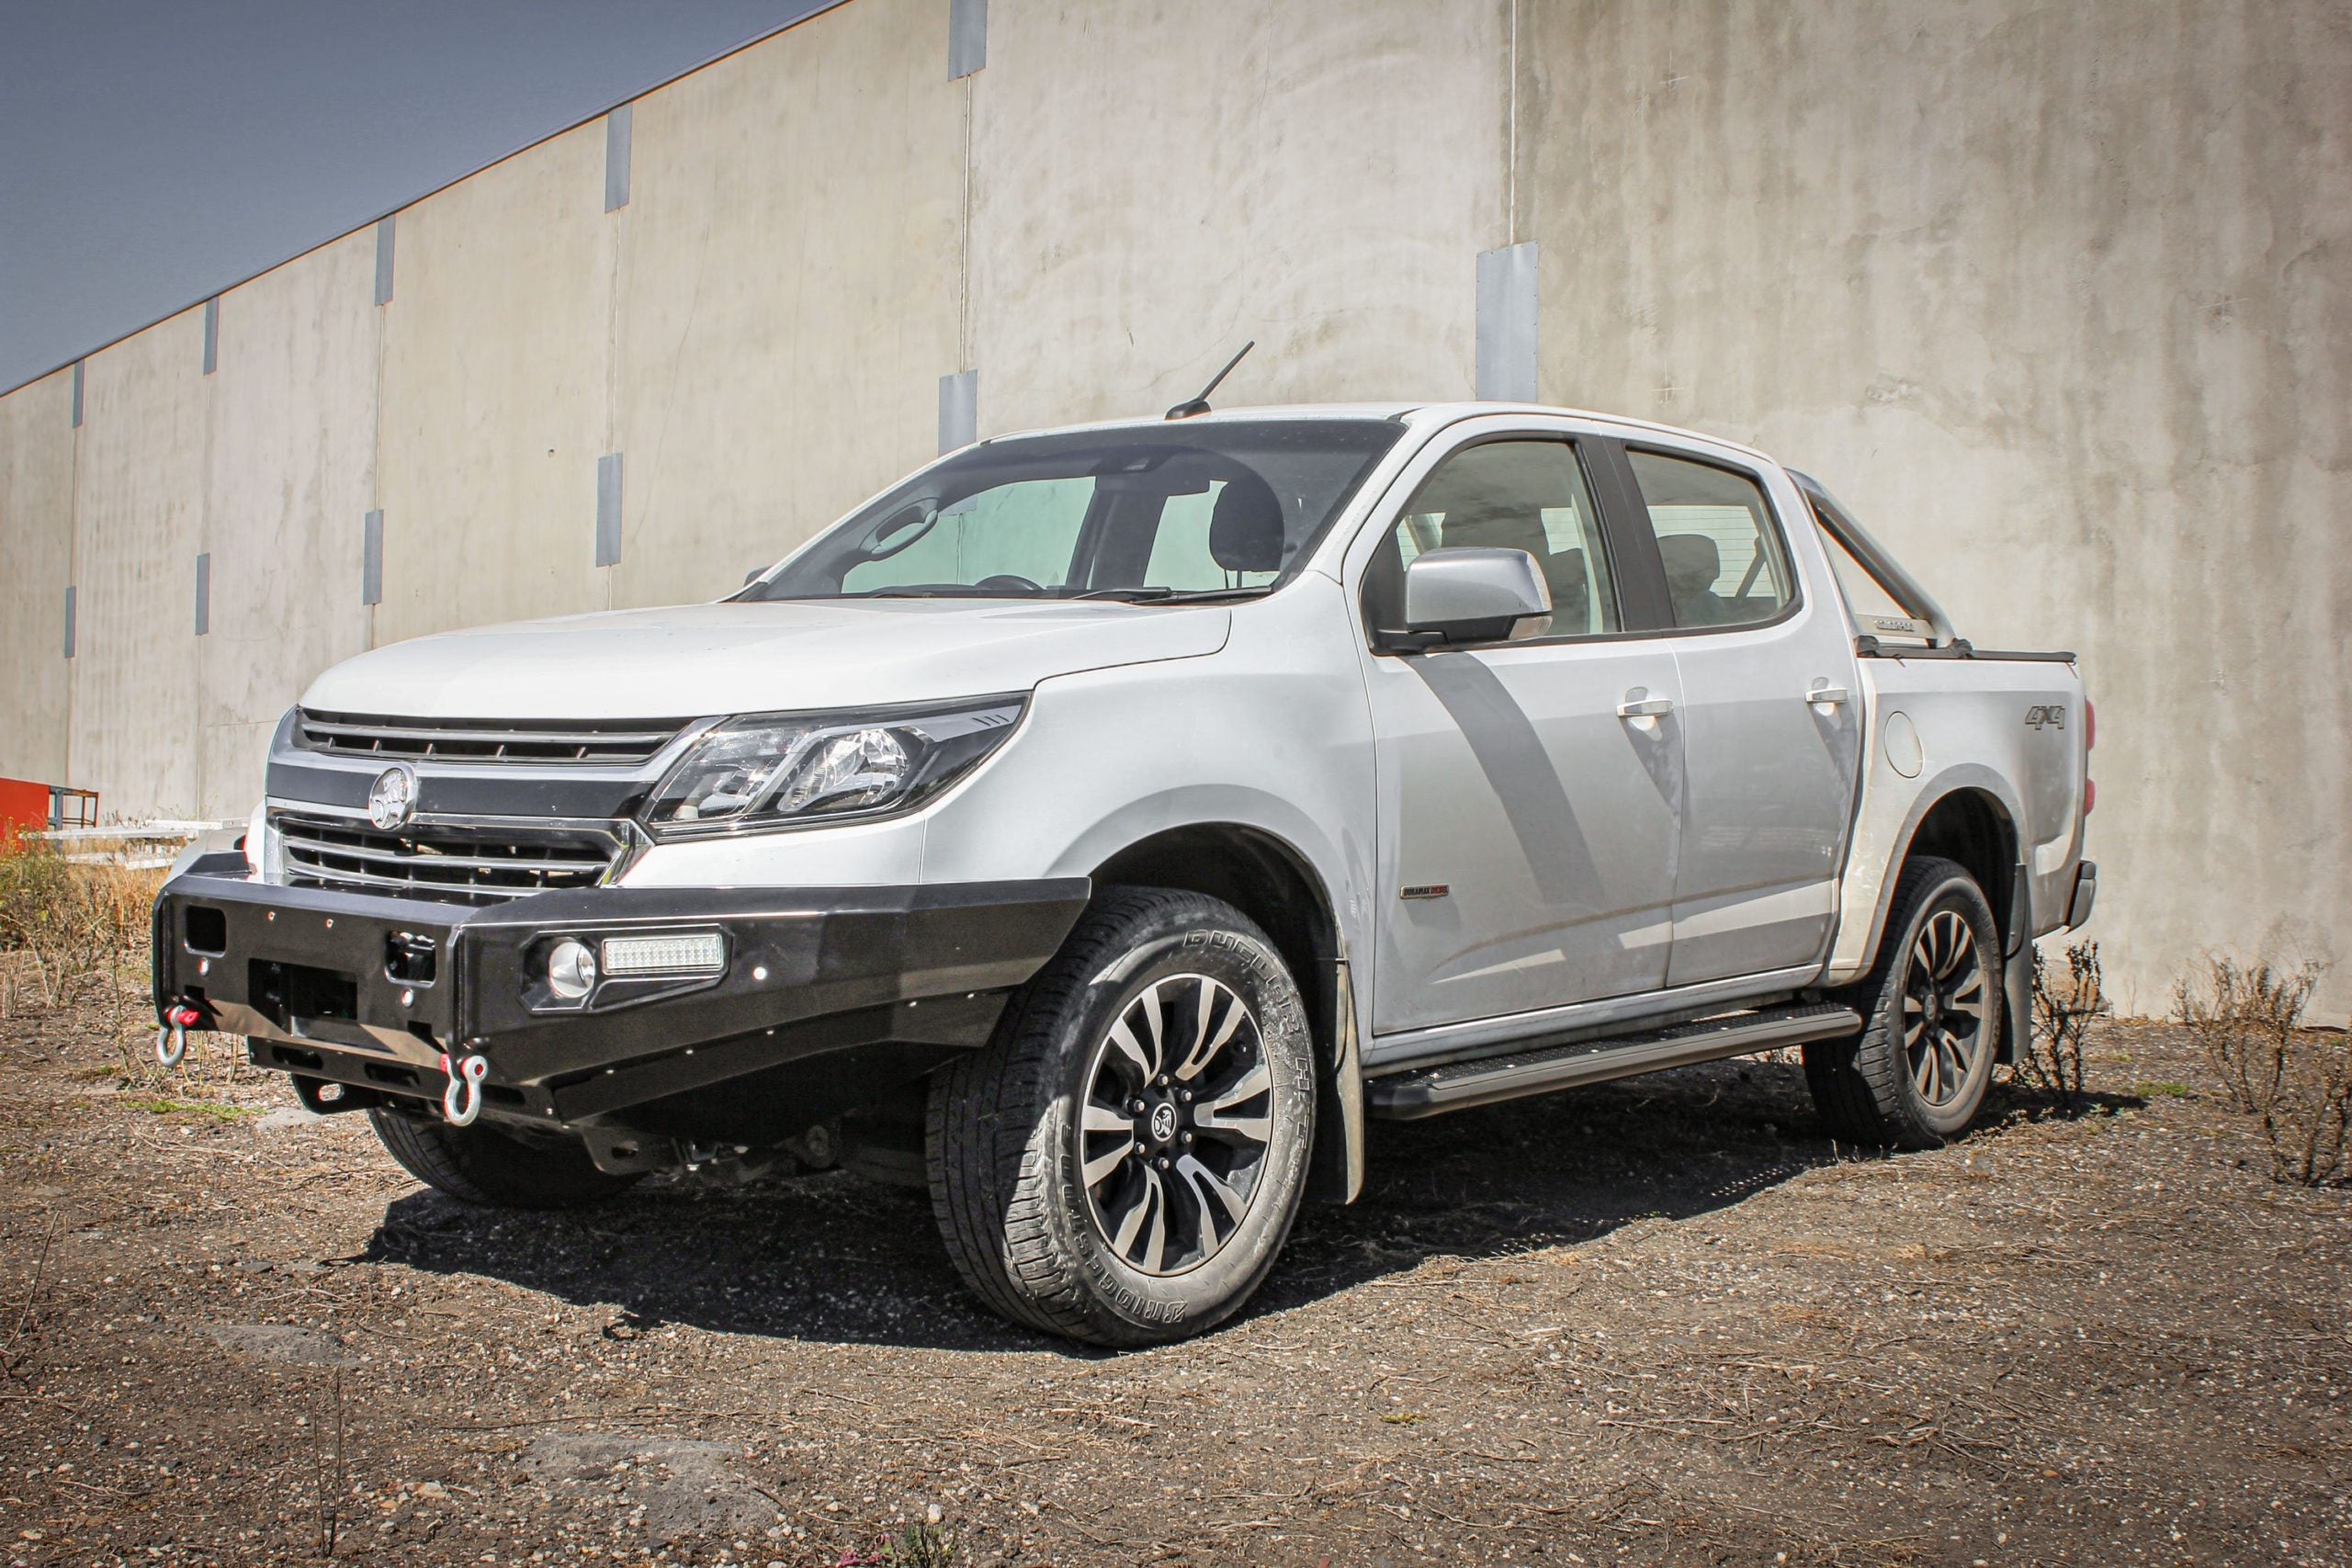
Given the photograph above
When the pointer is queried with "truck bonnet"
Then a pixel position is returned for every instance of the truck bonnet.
(698, 659)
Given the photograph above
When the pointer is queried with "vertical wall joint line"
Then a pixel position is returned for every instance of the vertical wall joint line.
(68, 620)
(212, 334)
(968, 37)
(1511, 180)
(77, 394)
(616, 131)
(384, 231)
(203, 592)
(959, 410)
(608, 509)
(371, 559)
(1507, 340)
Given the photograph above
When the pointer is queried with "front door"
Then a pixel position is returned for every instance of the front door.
(1527, 825)
(1772, 735)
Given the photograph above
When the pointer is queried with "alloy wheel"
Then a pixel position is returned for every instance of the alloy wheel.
(1943, 1010)
(1174, 1128)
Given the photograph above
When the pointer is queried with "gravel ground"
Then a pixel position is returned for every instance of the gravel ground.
(1662, 1321)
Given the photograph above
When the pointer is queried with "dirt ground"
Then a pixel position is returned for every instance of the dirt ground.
(1663, 1321)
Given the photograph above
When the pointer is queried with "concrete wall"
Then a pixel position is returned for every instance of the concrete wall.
(288, 482)
(787, 293)
(1154, 185)
(2057, 299)
(496, 395)
(35, 564)
(2054, 297)
(138, 524)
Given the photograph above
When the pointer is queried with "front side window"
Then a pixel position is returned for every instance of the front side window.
(1724, 561)
(1225, 507)
(1517, 495)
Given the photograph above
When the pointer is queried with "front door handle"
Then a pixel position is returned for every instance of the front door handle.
(1645, 708)
(1825, 694)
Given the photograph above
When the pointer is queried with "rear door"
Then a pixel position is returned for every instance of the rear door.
(1772, 723)
(1527, 827)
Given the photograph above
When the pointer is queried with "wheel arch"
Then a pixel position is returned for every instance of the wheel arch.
(1972, 824)
(1271, 881)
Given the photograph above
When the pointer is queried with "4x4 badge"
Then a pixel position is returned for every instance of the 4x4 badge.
(2054, 714)
(392, 800)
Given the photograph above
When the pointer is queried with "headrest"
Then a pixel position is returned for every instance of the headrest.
(1692, 562)
(1246, 531)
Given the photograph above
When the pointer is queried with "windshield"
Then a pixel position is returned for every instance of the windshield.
(1189, 510)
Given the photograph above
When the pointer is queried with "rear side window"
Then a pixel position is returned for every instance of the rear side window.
(1724, 566)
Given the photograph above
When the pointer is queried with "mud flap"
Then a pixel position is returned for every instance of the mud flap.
(2016, 968)
(1336, 1175)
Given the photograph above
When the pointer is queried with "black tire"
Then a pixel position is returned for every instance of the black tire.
(1013, 1130)
(482, 1165)
(1869, 1087)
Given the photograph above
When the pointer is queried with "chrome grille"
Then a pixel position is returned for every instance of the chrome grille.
(622, 744)
(473, 865)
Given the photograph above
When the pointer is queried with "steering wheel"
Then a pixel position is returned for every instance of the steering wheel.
(1009, 582)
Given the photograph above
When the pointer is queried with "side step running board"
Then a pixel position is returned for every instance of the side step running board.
(1491, 1078)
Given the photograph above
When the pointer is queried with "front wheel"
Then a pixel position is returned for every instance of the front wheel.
(1124, 1161)
(1915, 1076)
(482, 1165)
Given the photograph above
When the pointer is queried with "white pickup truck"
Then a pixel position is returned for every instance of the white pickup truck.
(1103, 823)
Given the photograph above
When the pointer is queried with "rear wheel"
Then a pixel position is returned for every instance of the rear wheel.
(1915, 1076)
(482, 1165)
(1122, 1162)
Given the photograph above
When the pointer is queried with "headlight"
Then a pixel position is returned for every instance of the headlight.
(783, 771)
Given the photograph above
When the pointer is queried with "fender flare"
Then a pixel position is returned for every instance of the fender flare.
(1960, 777)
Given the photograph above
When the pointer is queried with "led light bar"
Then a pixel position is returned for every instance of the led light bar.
(628, 957)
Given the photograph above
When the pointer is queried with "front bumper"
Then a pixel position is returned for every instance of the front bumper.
(828, 996)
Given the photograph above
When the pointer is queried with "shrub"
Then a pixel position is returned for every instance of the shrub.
(2063, 1010)
(71, 919)
(2297, 1081)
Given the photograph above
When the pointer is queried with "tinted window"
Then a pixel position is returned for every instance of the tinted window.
(1723, 562)
(1876, 611)
(1222, 506)
(1517, 495)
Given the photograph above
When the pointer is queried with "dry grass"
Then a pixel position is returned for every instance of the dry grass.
(2297, 1081)
(2065, 1008)
(72, 926)
(73, 919)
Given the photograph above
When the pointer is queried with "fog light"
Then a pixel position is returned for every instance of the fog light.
(572, 970)
(703, 952)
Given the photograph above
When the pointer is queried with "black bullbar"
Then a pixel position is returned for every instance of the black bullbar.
(377, 993)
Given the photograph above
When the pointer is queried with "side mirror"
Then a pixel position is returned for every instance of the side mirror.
(1469, 594)
(754, 575)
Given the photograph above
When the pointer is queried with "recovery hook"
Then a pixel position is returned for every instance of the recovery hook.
(171, 1038)
(461, 1101)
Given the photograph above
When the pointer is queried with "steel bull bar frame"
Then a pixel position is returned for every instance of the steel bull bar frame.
(369, 1000)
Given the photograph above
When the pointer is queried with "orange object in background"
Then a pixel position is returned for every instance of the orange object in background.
(28, 808)
(23, 808)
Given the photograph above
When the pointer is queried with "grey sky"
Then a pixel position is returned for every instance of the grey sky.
(158, 150)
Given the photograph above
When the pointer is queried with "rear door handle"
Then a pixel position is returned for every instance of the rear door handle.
(1825, 694)
(1645, 708)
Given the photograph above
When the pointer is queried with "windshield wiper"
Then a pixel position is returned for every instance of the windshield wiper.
(1169, 595)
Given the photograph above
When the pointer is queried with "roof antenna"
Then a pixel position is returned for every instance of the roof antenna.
(1200, 405)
